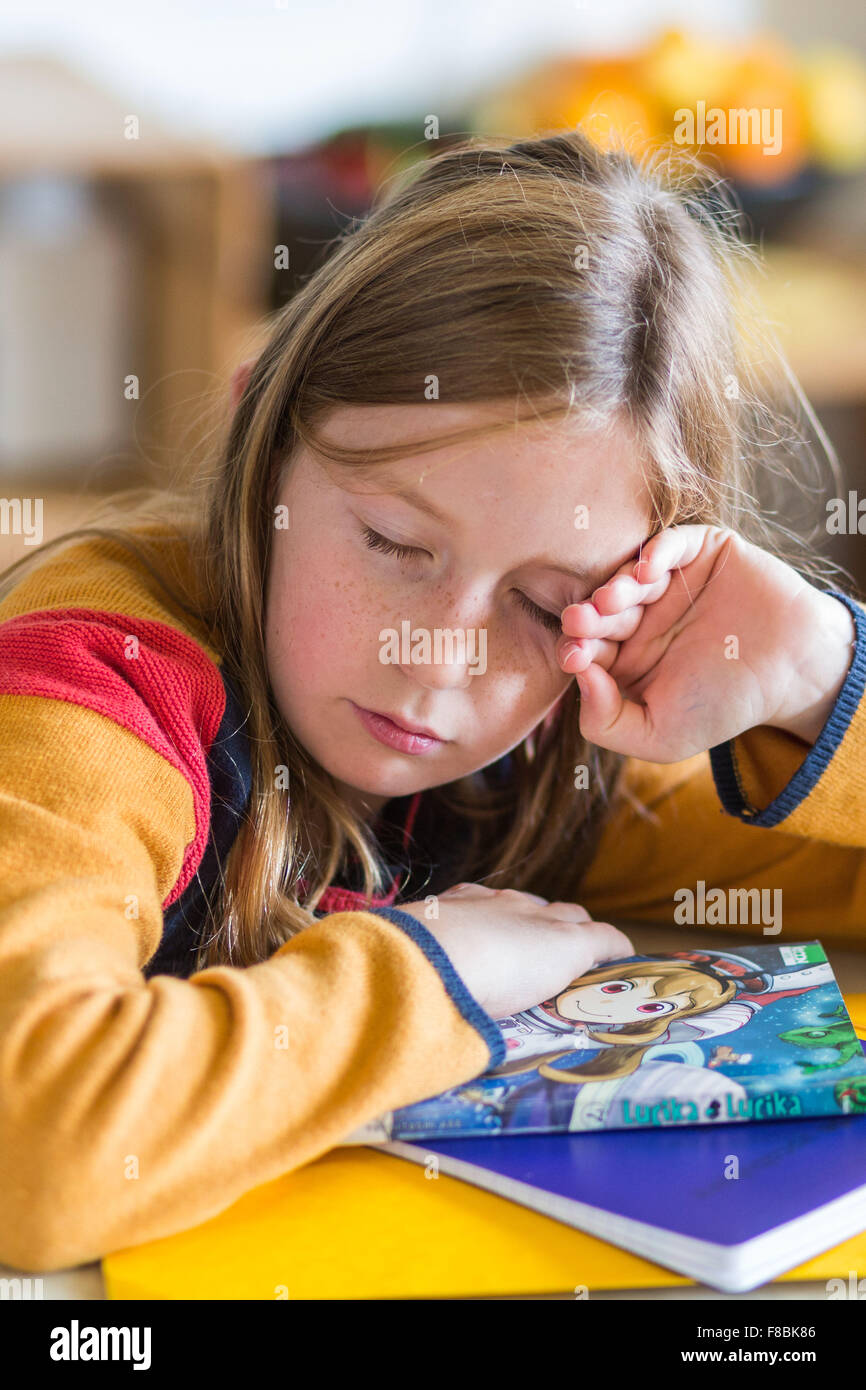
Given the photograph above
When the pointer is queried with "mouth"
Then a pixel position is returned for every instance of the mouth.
(398, 733)
(409, 727)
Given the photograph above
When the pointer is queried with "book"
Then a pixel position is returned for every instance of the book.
(733, 1207)
(685, 1038)
(337, 1228)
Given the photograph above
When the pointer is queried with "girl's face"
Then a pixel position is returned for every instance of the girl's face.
(503, 548)
(619, 1001)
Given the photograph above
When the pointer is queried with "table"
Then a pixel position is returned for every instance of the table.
(85, 1282)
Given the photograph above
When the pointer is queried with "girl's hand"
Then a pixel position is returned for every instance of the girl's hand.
(511, 949)
(703, 637)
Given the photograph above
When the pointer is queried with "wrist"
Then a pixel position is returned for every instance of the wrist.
(825, 641)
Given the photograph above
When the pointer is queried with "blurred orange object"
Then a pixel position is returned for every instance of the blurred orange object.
(541, 95)
(765, 81)
(607, 99)
(680, 69)
(762, 110)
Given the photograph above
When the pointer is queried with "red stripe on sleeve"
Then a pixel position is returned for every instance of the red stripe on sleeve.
(145, 675)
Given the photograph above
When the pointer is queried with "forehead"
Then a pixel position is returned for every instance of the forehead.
(529, 476)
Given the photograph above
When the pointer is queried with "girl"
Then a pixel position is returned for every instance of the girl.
(244, 817)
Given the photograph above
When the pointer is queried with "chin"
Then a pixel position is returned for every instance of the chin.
(368, 781)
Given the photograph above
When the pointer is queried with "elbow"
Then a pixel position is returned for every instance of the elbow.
(29, 1242)
(25, 1246)
(41, 1228)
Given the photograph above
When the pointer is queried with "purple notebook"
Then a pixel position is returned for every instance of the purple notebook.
(800, 1189)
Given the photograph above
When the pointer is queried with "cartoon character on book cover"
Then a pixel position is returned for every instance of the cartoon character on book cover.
(605, 1037)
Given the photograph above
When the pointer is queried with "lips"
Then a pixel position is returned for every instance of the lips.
(404, 738)
(409, 727)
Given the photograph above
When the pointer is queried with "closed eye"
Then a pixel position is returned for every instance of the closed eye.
(375, 541)
(541, 615)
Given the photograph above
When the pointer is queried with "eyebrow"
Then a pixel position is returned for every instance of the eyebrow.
(594, 575)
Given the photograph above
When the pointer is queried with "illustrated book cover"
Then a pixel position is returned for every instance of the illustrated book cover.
(691, 1037)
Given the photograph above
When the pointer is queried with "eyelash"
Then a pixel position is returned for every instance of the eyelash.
(377, 542)
(541, 615)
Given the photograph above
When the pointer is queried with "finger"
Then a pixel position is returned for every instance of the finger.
(519, 893)
(675, 546)
(576, 656)
(626, 590)
(625, 572)
(618, 943)
(609, 720)
(569, 912)
(597, 942)
(613, 608)
(583, 620)
(627, 566)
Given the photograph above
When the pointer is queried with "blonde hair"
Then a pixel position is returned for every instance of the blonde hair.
(545, 272)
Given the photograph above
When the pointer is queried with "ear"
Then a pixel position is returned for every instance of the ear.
(240, 377)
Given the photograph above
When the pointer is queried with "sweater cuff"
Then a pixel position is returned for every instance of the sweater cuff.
(726, 775)
(457, 991)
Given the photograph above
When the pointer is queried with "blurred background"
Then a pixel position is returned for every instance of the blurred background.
(171, 172)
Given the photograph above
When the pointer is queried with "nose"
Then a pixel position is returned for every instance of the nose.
(450, 653)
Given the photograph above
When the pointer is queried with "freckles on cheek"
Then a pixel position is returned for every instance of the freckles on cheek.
(518, 694)
(531, 690)
(323, 620)
(529, 664)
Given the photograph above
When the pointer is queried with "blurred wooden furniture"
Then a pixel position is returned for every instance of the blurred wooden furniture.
(817, 303)
(61, 512)
(204, 223)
